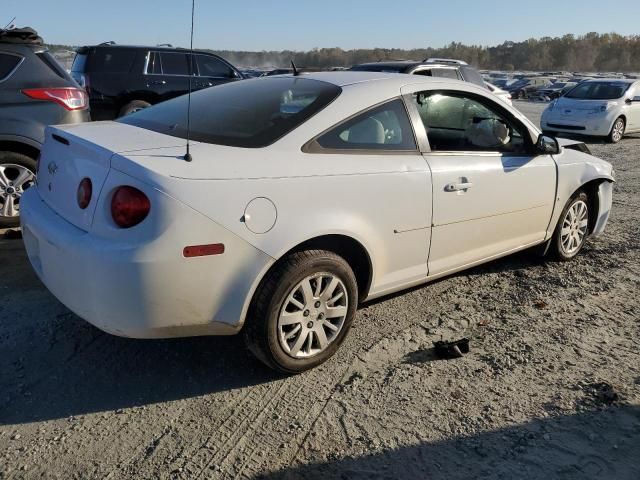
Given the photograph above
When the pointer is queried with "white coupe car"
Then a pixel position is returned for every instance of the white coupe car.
(604, 108)
(306, 196)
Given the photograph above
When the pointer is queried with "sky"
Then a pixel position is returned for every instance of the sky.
(302, 25)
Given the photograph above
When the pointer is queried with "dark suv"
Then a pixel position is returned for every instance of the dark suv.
(122, 79)
(35, 91)
(431, 67)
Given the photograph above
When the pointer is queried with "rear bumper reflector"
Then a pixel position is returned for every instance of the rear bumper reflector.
(203, 250)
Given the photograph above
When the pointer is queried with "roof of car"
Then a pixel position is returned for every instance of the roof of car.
(406, 63)
(619, 80)
(140, 47)
(349, 77)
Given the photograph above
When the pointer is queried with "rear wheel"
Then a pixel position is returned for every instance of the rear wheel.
(617, 131)
(302, 311)
(572, 229)
(133, 107)
(17, 174)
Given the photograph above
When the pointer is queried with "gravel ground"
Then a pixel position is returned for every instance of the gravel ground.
(550, 389)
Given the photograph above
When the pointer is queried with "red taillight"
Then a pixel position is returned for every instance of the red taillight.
(70, 98)
(84, 193)
(129, 206)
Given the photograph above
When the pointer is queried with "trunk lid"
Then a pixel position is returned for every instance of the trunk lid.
(73, 152)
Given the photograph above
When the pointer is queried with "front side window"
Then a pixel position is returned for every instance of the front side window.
(212, 67)
(251, 114)
(174, 63)
(385, 127)
(457, 123)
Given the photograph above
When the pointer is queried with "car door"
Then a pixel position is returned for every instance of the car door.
(213, 71)
(167, 74)
(633, 108)
(380, 175)
(492, 193)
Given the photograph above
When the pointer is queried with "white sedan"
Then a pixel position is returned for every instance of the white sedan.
(604, 108)
(306, 196)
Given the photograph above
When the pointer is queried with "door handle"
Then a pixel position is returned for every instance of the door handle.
(158, 82)
(456, 187)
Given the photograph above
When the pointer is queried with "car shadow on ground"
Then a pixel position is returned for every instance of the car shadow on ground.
(600, 443)
(55, 365)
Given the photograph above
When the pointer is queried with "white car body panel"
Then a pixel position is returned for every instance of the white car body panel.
(137, 283)
(582, 116)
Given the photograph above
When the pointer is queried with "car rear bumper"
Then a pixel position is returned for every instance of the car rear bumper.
(143, 289)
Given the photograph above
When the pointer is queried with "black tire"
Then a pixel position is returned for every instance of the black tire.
(557, 249)
(614, 136)
(133, 106)
(261, 330)
(7, 159)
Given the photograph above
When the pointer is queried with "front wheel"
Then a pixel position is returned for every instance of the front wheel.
(302, 311)
(617, 131)
(572, 229)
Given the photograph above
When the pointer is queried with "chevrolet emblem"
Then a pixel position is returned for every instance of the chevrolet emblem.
(53, 168)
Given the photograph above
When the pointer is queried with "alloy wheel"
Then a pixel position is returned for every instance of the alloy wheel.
(574, 227)
(313, 315)
(618, 130)
(14, 180)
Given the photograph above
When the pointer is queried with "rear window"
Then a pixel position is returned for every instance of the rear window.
(79, 63)
(8, 63)
(108, 60)
(598, 91)
(252, 113)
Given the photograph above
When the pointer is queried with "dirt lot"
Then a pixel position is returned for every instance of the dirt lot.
(550, 389)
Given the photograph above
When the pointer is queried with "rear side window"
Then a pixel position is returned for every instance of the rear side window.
(445, 73)
(385, 127)
(251, 114)
(213, 67)
(154, 66)
(174, 63)
(471, 75)
(53, 64)
(8, 63)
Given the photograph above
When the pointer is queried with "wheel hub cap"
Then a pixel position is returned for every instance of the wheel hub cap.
(14, 180)
(574, 228)
(313, 315)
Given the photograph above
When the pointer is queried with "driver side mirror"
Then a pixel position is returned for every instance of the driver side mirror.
(547, 145)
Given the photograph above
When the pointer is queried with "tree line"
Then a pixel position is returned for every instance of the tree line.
(592, 52)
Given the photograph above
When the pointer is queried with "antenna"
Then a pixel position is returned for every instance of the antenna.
(187, 156)
(295, 70)
(8, 24)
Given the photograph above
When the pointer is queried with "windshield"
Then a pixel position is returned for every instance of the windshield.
(598, 91)
(249, 113)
